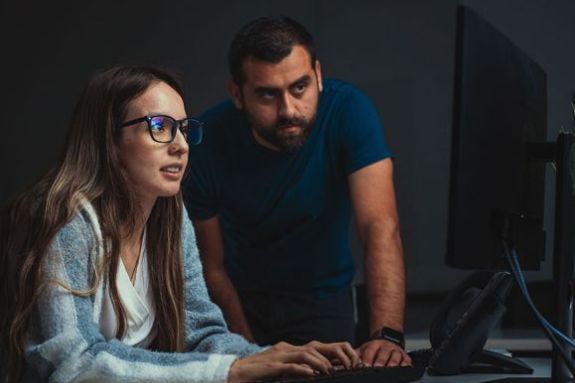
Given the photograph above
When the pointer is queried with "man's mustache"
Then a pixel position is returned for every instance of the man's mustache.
(290, 121)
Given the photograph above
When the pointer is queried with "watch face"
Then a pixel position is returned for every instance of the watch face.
(392, 335)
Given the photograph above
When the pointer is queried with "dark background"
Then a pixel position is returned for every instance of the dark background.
(398, 51)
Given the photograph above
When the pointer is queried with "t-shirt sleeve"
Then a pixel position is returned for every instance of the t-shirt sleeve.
(361, 137)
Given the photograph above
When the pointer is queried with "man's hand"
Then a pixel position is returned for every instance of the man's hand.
(380, 352)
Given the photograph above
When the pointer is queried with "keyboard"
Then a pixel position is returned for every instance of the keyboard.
(367, 375)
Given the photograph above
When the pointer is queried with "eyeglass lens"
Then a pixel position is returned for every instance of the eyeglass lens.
(164, 129)
(161, 128)
(193, 131)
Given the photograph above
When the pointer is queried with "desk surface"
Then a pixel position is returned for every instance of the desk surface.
(508, 339)
(541, 367)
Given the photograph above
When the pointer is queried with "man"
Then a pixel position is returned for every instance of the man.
(271, 191)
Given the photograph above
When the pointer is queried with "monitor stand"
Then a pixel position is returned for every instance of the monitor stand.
(564, 249)
(562, 153)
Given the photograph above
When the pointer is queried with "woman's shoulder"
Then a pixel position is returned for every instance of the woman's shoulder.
(84, 223)
(75, 250)
(80, 236)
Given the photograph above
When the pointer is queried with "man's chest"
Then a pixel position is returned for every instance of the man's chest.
(283, 190)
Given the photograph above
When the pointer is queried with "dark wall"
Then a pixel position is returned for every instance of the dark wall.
(400, 52)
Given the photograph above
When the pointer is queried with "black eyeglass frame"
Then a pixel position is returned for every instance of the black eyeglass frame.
(177, 124)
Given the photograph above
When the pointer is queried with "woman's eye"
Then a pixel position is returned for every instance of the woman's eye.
(158, 124)
(157, 127)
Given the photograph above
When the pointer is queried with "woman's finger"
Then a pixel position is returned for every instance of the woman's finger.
(313, 358)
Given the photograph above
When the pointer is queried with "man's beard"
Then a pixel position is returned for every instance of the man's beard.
(287, 142)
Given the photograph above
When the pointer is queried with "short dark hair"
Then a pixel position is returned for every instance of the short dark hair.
(269, 39)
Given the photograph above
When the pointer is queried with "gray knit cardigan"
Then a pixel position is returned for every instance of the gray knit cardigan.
(65, 343)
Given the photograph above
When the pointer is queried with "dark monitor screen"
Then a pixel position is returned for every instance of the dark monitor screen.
(500, 107)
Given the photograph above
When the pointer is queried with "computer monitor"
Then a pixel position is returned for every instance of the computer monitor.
(500, 108)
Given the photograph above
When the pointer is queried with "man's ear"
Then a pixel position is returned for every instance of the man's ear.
(236, 94)
(318, 75)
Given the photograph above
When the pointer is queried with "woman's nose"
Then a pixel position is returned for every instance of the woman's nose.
(179, 145)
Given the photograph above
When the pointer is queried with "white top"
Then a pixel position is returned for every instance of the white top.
(138, 302)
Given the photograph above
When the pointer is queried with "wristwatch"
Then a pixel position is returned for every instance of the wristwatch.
(390, 335)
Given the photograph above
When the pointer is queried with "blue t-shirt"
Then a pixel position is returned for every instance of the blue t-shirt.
(285, 216)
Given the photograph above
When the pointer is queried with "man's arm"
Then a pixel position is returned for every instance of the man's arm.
(373, 198)
(220, 287)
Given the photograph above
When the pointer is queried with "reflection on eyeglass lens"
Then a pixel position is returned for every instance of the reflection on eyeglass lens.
(161, 127)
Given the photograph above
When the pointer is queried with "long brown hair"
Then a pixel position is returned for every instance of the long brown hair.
(89, 169)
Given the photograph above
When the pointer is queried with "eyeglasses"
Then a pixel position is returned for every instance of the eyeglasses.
(163, 129)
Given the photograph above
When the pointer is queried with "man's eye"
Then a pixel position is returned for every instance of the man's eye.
(300, 88)
(266, 94)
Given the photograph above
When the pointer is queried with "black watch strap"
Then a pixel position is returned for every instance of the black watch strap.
(390, 335)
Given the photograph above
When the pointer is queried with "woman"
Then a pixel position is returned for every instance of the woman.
(102, 280)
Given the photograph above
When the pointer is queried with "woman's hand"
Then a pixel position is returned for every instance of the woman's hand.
(340, 354)
(285, 359)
